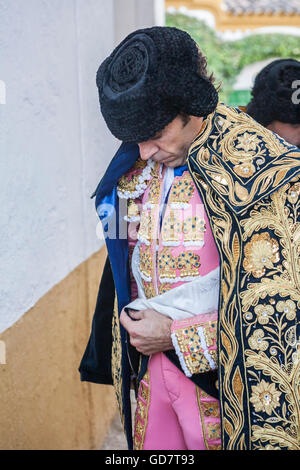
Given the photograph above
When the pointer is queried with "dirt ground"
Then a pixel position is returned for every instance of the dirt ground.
(115, 438)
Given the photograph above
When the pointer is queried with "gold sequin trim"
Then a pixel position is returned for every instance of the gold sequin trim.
(171, 228)
(193, 230)
(188, 263)
(209, 408)
(181, 191)
(146, 266)
(166, 264)
(213, 431)
(190, 346)
(149, 289)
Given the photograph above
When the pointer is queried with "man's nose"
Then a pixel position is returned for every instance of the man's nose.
(147, 150)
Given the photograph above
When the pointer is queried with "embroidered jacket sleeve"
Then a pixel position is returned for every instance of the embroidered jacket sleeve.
(194, 340)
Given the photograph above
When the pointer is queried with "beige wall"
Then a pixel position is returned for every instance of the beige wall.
(43, 403)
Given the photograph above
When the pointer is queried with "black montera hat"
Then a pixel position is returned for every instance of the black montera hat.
(275, 93)
(149, 78)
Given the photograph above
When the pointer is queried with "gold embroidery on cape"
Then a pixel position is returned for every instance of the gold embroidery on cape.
(273, 357)
(141, 413)
(243, 153)
(116, 359)
(260, 253)
(228, 345)
(277, 425)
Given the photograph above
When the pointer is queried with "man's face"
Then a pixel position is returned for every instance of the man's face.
(289, 132)
(170, 146)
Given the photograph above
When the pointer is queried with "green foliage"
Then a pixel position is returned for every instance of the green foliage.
(227, 58)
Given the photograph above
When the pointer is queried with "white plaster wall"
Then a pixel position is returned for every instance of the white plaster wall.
(54, 146)
(135, 14)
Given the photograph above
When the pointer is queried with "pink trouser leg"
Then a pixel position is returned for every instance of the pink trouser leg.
(173, 420)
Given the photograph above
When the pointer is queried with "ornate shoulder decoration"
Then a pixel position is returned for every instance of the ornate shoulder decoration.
(242, 161)
(133, 183)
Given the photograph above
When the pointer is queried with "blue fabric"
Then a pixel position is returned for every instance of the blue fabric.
(180, 169)
(123, 160)
(108, 208)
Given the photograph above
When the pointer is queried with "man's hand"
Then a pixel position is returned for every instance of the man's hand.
(149, 330)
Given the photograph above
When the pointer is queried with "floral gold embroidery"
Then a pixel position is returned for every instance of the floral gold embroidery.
(245, 170)
(270, 159)
(263, 313)
(247, 142)
(265, 397)
(260, 252)
(254, 335)
(272, 349)
(294, 193)
(256, 341)
(287, 307)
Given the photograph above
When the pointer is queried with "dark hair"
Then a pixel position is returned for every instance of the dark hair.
(272, 93)
(202, 64)
(185, 118)
(202, 68)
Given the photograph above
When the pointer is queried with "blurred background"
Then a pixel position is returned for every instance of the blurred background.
(54, 148)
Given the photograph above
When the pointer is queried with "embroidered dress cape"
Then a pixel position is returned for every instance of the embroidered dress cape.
(249, 181)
